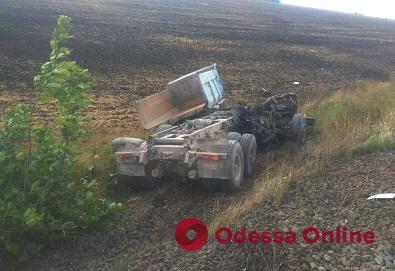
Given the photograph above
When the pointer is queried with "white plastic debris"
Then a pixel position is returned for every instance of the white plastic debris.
(296, 83)
(383, 196)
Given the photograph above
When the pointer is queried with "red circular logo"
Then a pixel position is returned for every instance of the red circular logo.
(191, 225)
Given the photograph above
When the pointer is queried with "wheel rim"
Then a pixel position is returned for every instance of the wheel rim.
(237, 168)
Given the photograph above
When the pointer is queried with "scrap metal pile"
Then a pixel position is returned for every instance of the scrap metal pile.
(267, 119)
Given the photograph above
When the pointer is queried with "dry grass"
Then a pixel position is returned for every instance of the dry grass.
(269, 186)
(349, 123)
(357, 121)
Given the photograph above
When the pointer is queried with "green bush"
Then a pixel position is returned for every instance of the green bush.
(41, 195)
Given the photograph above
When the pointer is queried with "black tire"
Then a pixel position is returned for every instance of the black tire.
(298, 129)
(236, 168)
(233, 136)
(163, 127)
(249, 147)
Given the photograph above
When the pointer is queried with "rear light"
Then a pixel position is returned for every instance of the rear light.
(210, 156)
(123, 155)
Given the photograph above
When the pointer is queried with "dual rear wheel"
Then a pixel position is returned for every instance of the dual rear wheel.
(242, 152)
(249, 149)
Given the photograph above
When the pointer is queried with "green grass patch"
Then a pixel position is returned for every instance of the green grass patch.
(358, 121)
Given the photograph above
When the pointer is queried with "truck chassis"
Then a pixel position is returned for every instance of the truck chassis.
(217, 150)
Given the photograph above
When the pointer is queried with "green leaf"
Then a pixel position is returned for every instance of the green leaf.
(33, 218)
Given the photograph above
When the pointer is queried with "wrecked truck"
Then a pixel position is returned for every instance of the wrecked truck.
(196, 138)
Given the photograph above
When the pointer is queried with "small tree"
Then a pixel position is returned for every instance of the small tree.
(40, 194)
(66, 82)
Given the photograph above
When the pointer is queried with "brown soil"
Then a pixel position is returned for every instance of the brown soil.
(135, 47)
(335, 196)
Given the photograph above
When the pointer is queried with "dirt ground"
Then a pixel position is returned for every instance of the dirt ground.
(135, 47)
(337, 196)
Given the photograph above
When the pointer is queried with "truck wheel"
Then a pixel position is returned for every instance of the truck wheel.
(236, 169)
(163, 127)
(233, 136)
(248, 145)
(298, 129)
